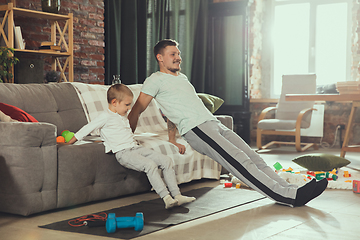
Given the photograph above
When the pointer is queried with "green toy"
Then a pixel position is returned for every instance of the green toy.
(67, 135)
(277, 166)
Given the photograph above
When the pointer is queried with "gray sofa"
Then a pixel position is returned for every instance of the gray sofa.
(36, 174)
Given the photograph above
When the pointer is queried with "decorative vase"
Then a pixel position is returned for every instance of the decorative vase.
(116, 79)
(51, 6)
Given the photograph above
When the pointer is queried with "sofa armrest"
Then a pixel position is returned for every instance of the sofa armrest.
(28, 167)
(226, 120)
(27, 134)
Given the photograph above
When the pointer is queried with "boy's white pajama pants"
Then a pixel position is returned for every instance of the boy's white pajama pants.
(224, 146)
(147, 160)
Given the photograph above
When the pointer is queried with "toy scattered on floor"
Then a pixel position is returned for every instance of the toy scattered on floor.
(113, 222)
(347, 174)
(228, 184)
(320, 175)
(277, 166)
(66, 136)
(356, 186)
(238, 185)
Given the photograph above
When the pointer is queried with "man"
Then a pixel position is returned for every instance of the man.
(186, 113)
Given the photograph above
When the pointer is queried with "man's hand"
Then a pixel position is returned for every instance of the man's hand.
(181, 147)
(172, 133)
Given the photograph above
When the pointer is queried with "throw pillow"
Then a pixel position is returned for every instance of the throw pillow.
(211, 102)
(16, 113)
(321, 162)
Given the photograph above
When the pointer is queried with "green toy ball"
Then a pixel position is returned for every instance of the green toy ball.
(63, 133)
(69, 136)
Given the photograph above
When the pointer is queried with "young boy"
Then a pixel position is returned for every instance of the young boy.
(118, 138)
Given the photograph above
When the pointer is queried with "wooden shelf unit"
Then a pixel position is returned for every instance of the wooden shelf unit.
(56, 30)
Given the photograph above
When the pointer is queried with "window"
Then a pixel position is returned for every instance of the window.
(311, 36)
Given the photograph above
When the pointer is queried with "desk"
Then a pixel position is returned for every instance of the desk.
(354, 98)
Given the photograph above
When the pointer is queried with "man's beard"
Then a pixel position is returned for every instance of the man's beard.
(175, 70)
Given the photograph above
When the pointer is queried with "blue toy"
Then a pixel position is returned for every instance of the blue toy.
(113, 222)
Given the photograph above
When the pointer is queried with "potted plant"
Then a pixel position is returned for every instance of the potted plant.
(7, 60)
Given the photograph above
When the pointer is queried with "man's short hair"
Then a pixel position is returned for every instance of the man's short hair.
(118, 92)
(162, 44)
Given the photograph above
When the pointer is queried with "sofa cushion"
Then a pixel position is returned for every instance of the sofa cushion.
(59, 103)
(92, 97)
(94, 101)
(16, 113)
(211, 102)
(320, 161)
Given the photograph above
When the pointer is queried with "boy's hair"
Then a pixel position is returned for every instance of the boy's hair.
(162, 44)
(118, 92)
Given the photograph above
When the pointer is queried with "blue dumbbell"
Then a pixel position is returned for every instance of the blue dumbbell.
(113, 222)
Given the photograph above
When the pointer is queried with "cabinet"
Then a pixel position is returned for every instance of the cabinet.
(228, 67)
(58, 36)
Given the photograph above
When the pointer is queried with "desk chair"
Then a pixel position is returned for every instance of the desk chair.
(289, 115)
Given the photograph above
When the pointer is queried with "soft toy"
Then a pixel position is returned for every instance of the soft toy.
(66, 136)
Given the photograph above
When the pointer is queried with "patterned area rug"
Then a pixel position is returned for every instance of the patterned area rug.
(301, 177)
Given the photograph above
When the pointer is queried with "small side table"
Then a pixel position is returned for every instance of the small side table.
(354, 98)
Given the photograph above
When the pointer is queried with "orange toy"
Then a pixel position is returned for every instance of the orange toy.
(60, 139)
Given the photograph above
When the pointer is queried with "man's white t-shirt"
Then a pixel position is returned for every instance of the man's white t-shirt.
(115, 131)
(178, 100)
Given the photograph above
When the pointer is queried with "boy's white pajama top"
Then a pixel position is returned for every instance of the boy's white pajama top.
(118, 138)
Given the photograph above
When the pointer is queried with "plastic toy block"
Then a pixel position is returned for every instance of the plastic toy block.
(277, 166)
(238, 185)
(348, 181)
(310, 173)
(347, 174)
(331, 176)
(287, 170)
(320, 175)
(334, 171)
(356, 186)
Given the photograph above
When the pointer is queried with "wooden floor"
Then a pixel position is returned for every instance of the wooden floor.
(333, 215)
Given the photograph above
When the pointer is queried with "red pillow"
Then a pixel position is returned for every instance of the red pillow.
(16, 113)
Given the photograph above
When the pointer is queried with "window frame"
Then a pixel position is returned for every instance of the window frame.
(312, 40)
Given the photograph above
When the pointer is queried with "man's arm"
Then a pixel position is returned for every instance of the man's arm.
(140, 105)
(172, 133)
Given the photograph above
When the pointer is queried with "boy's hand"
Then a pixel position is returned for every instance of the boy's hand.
(72, 140)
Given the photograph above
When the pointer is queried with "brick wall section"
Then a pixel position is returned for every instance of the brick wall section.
(88, 35)
(335, 113)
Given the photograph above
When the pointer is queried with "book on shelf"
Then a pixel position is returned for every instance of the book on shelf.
(48, 44)
(50, 48)
(19, 41)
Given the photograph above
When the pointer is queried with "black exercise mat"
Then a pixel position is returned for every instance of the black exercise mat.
(156, 217)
